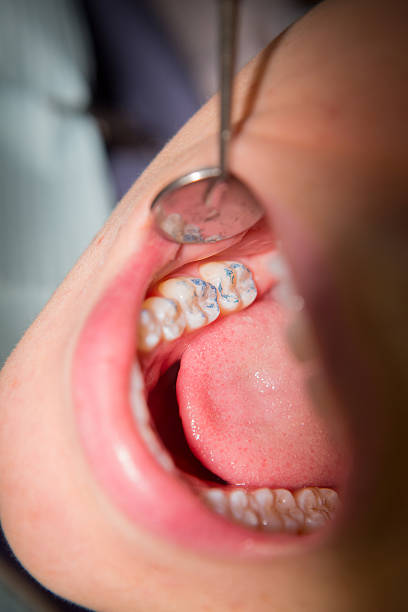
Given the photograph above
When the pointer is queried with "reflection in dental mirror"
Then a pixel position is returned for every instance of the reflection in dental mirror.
(204, 207)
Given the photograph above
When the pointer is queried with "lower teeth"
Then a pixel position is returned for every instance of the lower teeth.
(274, 510)
(264, 509)
(268, 510)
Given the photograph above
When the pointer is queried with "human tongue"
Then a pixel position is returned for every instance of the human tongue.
(244, 410)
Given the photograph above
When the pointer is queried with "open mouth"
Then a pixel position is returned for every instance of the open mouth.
(193, 410)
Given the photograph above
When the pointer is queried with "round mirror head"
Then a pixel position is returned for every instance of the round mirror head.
(204, 207)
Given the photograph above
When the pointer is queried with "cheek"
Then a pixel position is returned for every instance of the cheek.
(54, 517)
(40, 503)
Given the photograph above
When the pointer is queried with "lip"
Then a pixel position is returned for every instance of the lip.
(155, 499)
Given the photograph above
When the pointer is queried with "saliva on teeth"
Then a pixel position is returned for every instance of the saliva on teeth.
(188, 303)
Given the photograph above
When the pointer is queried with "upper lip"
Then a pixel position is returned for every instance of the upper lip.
(155, 499)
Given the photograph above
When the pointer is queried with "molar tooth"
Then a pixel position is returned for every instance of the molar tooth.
(297, 514)
(240, 510)
(330, 499)
(219, 274)
(316, 498)
(292, 524)
(244, 283)
(307, 499)
(235, 286)
(207, 298)
(196, 298)
(149, 330)
(249, 518)
(238, 501)
(314, 520)
(283, 500)
(167, 313)
(318, 505)
(217, 500)
(285, 505)
(261, 500)
(275, 510)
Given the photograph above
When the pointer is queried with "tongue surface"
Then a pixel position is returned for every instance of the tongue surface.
(244, 410)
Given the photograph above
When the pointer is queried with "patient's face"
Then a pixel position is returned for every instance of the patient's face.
(170, 439)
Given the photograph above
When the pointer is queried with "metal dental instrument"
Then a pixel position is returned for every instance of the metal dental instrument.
(210, 204)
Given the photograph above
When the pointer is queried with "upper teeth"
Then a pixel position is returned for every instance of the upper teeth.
(189, 303)
(235, 286)
(160, 318)
(196, 298)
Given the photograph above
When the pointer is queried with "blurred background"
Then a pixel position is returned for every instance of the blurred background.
(90, 91)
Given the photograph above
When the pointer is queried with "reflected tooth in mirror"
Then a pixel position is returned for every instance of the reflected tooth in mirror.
(263, 498)
(234, 283)
(196, 298)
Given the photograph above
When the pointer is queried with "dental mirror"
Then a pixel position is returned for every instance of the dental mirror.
(210, 204)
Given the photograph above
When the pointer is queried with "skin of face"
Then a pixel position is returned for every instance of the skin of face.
(321, 121)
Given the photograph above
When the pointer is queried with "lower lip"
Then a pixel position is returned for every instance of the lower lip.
(156, 500)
